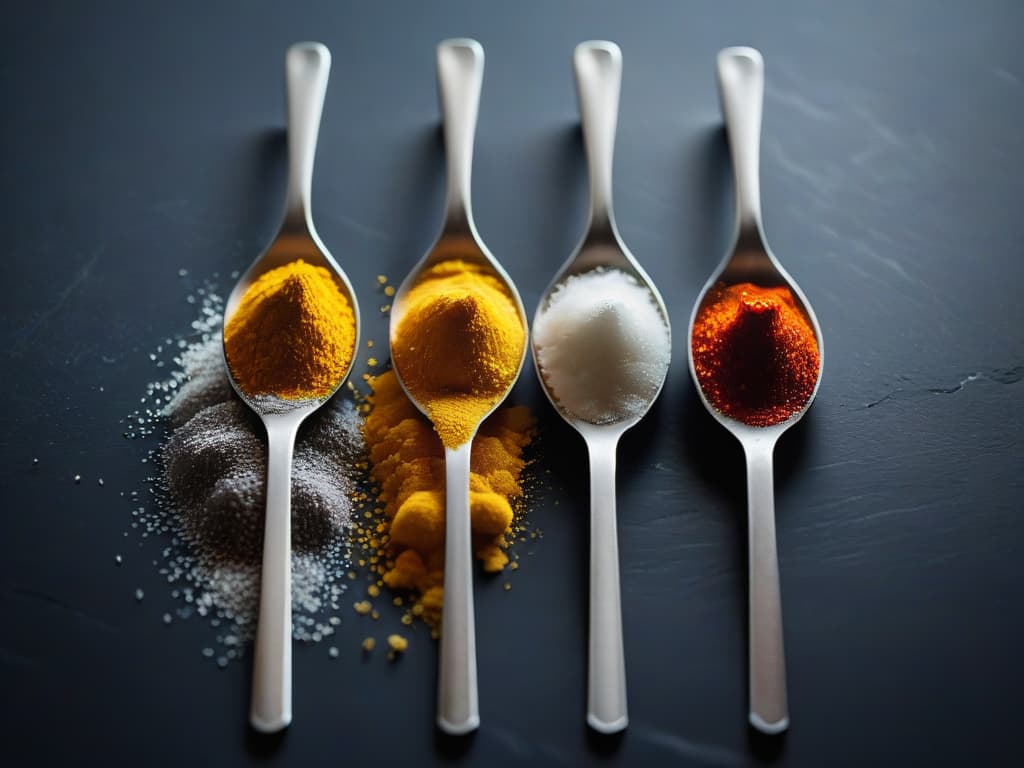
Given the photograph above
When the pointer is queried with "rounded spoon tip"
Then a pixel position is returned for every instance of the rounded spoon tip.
(464, 43)
(607, 726)
(311, 46)
(605, 46)
(461, 728)
(740, 52)
(771, 729)
(270, 724)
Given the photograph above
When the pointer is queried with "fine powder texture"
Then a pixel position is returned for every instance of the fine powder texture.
(406, 545)
(458, 346)
(292, 335)
(603, 346)
(755, 353)
(215, 465)
(214, 483)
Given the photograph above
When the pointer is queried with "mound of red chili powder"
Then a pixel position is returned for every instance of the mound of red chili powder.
(755, 353)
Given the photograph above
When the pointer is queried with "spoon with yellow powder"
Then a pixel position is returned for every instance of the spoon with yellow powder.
(291, 327)
(458, 341)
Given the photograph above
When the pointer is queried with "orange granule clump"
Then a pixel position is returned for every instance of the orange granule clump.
(407, 464)
(292, 335)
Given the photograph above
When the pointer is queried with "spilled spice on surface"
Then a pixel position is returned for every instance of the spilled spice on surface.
(404, 536)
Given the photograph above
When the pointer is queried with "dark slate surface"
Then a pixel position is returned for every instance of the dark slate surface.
(136, 142)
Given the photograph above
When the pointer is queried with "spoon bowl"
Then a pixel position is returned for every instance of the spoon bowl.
(598, 69)
(460, 66)
(741, 86)
(307, 66)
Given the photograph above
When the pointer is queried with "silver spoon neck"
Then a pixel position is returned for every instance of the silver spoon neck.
(602, 223)
(307, 67)
(741, 90)
(458, 217)
(460, 72)
(598, 68)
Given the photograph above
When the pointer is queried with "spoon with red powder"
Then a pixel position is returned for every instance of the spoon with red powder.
(755, 355)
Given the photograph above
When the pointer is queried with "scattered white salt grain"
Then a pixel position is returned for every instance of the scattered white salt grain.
(139, 594)
(210, 492)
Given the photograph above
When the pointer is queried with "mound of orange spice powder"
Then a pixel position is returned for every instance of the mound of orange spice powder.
(755, 353)
(407, 465)
(293, 334)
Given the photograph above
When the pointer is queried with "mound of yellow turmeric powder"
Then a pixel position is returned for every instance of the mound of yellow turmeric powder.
(458, 345)
(293, 334)
(407, 465)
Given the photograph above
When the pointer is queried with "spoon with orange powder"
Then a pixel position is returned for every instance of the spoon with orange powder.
(755, 354)
(291, 328)
(458, 342)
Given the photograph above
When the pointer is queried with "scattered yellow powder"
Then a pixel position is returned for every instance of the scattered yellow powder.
(397, 643)
(458, 345)
(369, 644)
(363, 607)
(373, 590)
(292, 335)
(407, 465)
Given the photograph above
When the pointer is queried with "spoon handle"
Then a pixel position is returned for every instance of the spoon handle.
(768, 709)
(458, 711)
(598, 68)
(271, 708)
(307, 66)
(460, 74)
(741, 88)
(606, 673)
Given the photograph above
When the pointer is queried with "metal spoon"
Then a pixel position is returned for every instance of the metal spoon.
(598, 68)
(460, 70)
(741, 87)
(306, 69)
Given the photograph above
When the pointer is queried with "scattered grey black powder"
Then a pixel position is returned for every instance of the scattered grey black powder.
(209, 495)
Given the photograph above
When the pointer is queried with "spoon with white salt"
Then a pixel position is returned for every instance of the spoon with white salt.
(601, 344)
(307, 66)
